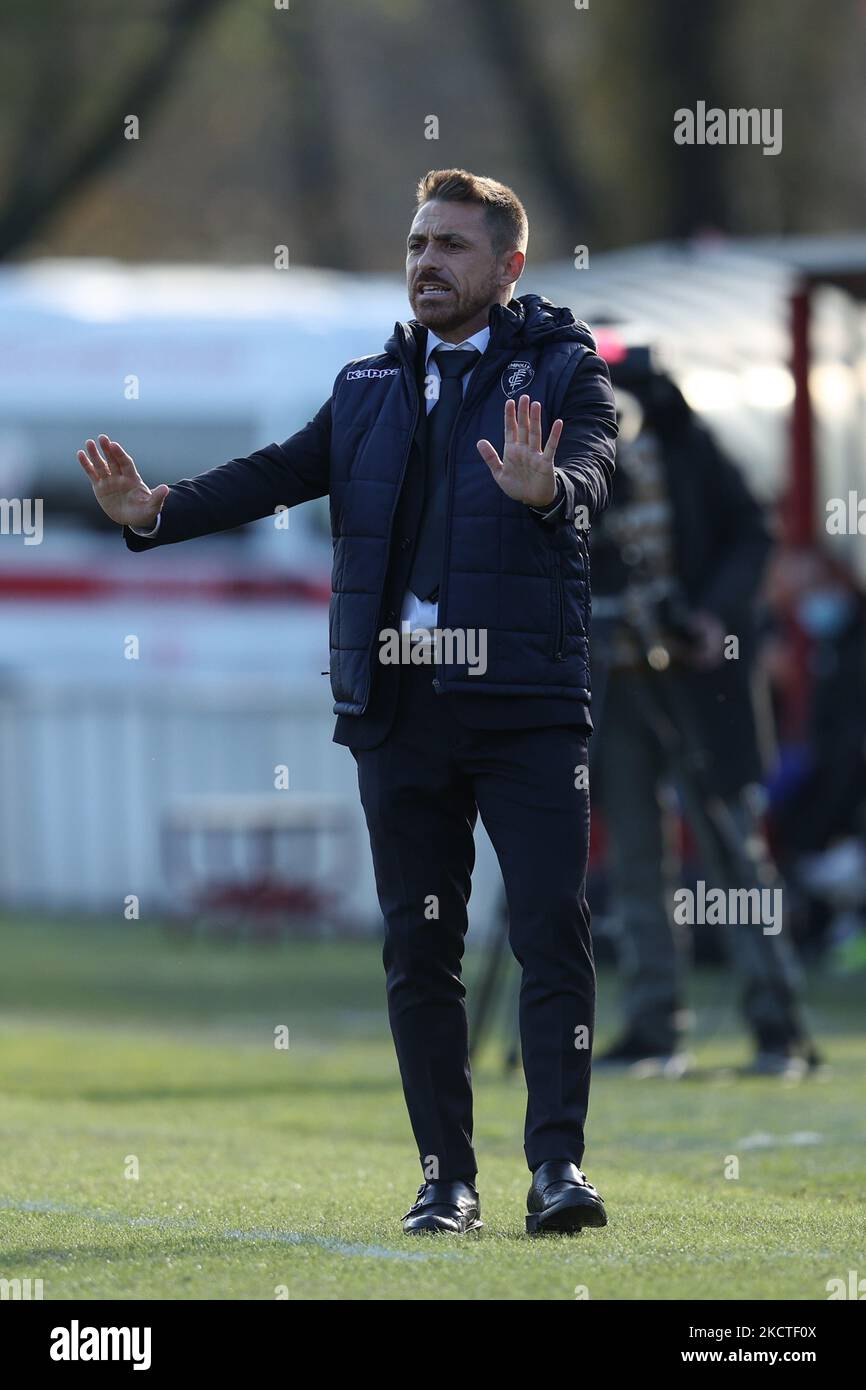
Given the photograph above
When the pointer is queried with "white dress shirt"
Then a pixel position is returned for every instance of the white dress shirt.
(416, 613)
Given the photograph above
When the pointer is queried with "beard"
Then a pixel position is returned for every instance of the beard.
(457, 307)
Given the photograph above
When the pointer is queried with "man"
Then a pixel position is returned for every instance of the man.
(451, 514)
(678, 563)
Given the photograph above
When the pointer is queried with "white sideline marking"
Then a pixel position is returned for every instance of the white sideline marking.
(356, 1250)
(777, 1141)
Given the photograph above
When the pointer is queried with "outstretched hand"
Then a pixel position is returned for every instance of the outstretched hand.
(118, 487)
(525, 472)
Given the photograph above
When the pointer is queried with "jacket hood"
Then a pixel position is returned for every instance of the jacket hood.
(528, 321)
(532, 319)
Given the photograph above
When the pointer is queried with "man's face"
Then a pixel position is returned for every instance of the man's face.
(452, 272)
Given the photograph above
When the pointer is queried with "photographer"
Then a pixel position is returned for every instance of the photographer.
(676, 565)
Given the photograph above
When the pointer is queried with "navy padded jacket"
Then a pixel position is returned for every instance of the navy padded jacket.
(524, 580)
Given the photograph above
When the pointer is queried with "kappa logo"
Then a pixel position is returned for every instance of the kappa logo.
(516, 377)
(371, 373)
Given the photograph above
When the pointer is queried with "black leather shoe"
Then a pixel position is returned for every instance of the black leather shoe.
(562, 1200)
(452, 1208)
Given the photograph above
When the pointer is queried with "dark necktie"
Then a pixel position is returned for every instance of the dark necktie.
(453, 364)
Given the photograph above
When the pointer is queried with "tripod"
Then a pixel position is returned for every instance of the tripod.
(733, 854)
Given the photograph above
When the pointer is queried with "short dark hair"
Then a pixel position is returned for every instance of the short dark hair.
(506, 215)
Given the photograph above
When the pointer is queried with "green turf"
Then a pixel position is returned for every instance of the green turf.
(263, 1169)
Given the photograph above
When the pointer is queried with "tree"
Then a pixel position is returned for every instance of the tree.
(55, 158)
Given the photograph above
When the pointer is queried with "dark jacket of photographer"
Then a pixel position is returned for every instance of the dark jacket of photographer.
(720, 545)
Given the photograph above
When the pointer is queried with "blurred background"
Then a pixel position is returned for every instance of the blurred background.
(202, 214)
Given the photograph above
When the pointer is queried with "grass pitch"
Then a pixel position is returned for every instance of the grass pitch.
(265, 1172)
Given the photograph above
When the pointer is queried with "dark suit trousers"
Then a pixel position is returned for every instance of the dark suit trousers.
(422, 789)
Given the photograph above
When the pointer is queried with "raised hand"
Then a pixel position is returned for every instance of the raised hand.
(525, 471)
(117, 486)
